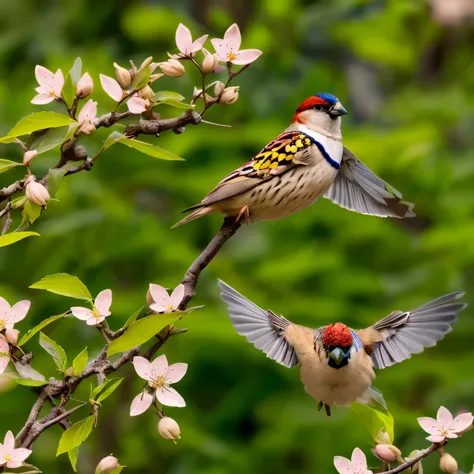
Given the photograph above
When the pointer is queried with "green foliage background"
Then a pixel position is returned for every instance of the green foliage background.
(408, 84)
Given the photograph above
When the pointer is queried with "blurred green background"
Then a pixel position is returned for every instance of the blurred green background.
(404, 69)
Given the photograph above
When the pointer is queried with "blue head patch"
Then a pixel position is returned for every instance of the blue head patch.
(328, 98)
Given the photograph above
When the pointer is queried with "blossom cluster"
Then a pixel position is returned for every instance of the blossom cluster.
(444, 427)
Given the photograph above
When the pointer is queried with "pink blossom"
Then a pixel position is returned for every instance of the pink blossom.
(445, 426)
(111, 87)
(50, 85)
(137, 105)
(9, 315)
(11, 457)
(160, 376)
(185, 43)
(28, 157)
(11, 336)
(357, 464)
(227, 49)
(163, 302)
(4, 353)
(100, 310)
(141, 403)
(87, 116)
(84, 86)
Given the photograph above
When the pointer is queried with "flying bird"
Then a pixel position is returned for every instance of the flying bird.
(336, 362)
(299, 166)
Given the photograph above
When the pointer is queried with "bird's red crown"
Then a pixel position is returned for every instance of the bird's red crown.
(337, 335)
(309, 103)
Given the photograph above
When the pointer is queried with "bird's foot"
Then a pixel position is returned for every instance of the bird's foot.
(326, 407)
(320, 405)
(245, 213)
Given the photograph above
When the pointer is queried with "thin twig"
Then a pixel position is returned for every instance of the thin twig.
(417, 458)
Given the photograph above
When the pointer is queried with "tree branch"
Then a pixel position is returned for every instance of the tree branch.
(423, 454)
(228, 229)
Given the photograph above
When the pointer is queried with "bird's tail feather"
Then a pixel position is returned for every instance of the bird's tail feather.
(202, 211)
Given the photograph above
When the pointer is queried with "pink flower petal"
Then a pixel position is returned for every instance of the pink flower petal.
(13, 464)
(175, 372)
(343, 465)
(81, 313)
(95, 321)
(170, 397)
(232, 37)
(20, 454)
(444, 417)
(198, 44)
(137, 105)
(58, 83)
(177, 296)
(159, 308)
(462, 422)
(452, 435)
(19, 310)
(88, 112)
(3, 362)
(9, 442)
(159, 294)
(430, 425)
(103, 302)
(358, 459)
(42, 99)
(141, 403)
(44, 77)
(247, 56)
(111, 87)
(160, 365)
(221, 49)
(5, 308)
(3, 344)
(143, 368)
(184, 39)
(219, 69)
(435, 438)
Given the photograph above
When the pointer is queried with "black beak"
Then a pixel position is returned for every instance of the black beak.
(337, 109)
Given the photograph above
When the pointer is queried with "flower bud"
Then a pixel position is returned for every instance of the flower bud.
(146, 93)
(36, 192)
(28, 156)
(386, 452)
(123, 76)
(229, 96)
(107, 464)
(168, 428)
(209, 62)
(448, 464)
(85, 86)
(219, 88)
(154, 77)
(146, 63)
(11, 335)
(172, 67)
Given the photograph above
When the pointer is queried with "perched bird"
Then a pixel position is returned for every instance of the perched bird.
(299, 166)
(337, 362)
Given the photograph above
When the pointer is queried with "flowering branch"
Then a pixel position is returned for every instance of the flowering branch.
(412, 461)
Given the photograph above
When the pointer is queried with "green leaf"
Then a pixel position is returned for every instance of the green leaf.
(26, 337)
(376, 420)
(176, 103)
(111, 389)
(132, 318)
(72, 454)
(31, 382)
(80, 362)
(76, 70)
(6, 165)
(112, 138)
(9, 239)
(74, 436)
(45, 140)
(55, 177)
(141, 78)
(101, 387)
(141, 331)
(31, 212)
(54, 350)
(164, 95)
(149, 149)
(65, 285)
(38, 121)
(69, 89)
(19, 202)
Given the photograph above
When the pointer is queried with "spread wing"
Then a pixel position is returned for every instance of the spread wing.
(286, 151)
(358, 189)
(263, 329)
(405, 333)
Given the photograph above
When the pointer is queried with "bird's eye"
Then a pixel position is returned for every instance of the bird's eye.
(317, 107)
